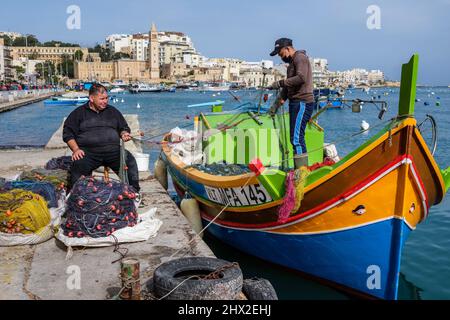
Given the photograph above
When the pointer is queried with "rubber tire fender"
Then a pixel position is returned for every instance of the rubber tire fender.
(259, 289)
(228, 287)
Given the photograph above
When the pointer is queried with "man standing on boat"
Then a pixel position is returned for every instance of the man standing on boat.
(93, 133)
(298, 88)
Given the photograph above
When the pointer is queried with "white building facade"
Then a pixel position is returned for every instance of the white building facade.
(174, 44)
(118, 42)
(139, 47)
(5, 62)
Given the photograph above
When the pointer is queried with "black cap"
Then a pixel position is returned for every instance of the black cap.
(280, 44)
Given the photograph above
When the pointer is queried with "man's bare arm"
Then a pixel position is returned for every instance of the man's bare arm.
(78, 154)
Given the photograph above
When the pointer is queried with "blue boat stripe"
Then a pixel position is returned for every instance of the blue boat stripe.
(331, 256)
(298, 123)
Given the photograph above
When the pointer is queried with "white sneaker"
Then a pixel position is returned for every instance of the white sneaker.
(138, 200)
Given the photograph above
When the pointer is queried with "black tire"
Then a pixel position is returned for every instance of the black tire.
(171, 275)
(259, 289)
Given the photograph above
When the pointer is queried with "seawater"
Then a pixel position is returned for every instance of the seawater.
(425, 268)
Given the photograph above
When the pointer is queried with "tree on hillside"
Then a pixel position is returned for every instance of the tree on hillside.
(78, 55)
(45, 70)
(66, 67)
(20, 71)
(29, 40)
(120, 55)
(8, 40)
(55, 43)
(105, 53)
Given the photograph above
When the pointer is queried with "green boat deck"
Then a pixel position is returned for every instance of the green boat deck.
(243, 139)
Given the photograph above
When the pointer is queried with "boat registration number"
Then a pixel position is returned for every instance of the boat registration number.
(239, 197)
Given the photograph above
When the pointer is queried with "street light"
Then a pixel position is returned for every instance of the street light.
(26, 39)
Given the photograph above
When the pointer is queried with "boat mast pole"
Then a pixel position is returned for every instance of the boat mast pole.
(262, 91)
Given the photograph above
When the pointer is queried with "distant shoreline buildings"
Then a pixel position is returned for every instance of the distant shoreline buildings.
(159, 56)
(354, 77)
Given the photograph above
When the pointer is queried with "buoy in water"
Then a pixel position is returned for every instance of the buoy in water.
(191, 211)
(160, 172)
(417, 100)
(138, 106)
(438, 103)
(365, 125)
(123, 100)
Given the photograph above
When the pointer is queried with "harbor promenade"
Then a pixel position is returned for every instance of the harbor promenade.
(11, 100)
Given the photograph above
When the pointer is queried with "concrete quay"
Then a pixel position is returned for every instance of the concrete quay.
(42, 272)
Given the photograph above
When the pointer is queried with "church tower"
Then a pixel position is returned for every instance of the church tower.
(153, 54)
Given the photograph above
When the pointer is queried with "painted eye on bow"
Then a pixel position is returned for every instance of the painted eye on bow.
(360, 210)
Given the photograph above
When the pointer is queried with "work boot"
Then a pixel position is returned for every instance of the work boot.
(300, 160)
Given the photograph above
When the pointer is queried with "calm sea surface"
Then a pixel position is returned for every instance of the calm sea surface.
(425, 270)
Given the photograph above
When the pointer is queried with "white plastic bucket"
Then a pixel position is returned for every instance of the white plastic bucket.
(143, 161)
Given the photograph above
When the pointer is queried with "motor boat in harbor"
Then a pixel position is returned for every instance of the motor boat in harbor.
(68, 99)
(144, 88)
(117, 90)
(62, 101)
(216, 87)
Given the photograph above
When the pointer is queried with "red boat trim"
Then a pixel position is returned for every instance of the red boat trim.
(401, 160)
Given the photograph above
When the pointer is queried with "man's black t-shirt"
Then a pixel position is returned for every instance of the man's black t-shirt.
(95, 132)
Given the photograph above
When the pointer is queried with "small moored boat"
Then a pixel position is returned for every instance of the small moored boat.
(67, 101)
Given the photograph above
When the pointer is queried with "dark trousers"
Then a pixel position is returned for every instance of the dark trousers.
(299, 114)
(93, 161)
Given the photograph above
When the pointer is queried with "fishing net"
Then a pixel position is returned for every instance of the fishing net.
(97, 208)
(222, 169)
(295, 191)
(57, 177)
(44, 189)
(326, 162)
(23, 212)
(63, 163)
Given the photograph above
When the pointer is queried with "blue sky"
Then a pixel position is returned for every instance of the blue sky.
(335, 30)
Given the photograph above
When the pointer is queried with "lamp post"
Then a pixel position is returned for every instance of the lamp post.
(26, 39)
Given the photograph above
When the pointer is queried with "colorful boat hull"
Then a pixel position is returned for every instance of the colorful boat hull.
(364, 265)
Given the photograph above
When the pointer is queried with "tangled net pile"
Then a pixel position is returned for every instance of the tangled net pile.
(23, 212)
(98, 208)
(63, 163)
(58, 177)
(44, 189)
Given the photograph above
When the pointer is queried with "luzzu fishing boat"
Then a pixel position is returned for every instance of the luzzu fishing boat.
(355, 215)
